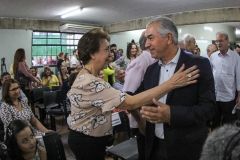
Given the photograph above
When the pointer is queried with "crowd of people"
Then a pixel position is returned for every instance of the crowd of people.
(176, 99)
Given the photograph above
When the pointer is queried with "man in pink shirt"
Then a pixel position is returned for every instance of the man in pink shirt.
(133, 77)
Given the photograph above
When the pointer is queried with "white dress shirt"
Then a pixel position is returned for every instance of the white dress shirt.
(226, 72)
(166, 72)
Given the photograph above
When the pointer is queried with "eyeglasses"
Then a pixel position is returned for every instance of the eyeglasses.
(15, 89)
(220, 41)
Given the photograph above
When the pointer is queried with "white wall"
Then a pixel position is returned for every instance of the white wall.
(203, 37)
(11, 40)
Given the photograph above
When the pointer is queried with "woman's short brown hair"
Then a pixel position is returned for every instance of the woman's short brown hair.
(90, 44)
(5, 89)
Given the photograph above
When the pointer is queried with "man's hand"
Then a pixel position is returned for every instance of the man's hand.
(160, 114)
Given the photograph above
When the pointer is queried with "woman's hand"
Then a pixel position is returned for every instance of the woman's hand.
(42, 153)
(183, 78)
(49, 78)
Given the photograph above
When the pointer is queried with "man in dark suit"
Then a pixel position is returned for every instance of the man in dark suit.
(176, 129)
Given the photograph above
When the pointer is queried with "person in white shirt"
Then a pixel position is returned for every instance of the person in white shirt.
(74, 60)
(226, 71)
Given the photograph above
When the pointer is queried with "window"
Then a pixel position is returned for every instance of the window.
(47, 45)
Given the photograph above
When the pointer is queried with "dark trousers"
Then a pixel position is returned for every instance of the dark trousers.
(86, 147)
(158, 150)
(140, 143)
(224, 114)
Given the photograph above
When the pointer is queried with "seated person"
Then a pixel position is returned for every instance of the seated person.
(34, 73)
(13, 107)
(43, 73)
(101, 74)
(21, 142)
(6, 76)
(119, 75)
(49, 79)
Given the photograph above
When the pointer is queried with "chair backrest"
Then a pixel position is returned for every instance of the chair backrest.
(124, 126)
(49, 98)
(54, 146)
(38, 93)
(56, 88)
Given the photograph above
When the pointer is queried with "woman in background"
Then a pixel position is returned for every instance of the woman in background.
(20, 66)
(101, 74)
(22, 144)
(34, 73)
(67, 60)
(131, 55)
(109, 72)
(49, 79)
(63, 76)
(14, 108)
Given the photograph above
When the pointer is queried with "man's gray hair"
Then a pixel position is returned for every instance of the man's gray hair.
(142, 40)
(165, 26)
(222, 33)
(117, 70)
(186, 38)
(209, 47)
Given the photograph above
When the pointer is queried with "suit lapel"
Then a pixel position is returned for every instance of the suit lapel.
(156, 76)
(182, 59)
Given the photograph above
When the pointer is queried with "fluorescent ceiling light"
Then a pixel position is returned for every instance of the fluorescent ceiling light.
(237, 31)
(208, 28)
(71, 13)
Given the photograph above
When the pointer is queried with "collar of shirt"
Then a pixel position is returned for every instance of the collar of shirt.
(174, 60)
(119, 81)
(227, 54)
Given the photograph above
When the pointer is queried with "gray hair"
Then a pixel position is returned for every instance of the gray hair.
(117, 70)
(186, 38)
(222, 33)
(209, 47)
(165, 26)
(142, 41)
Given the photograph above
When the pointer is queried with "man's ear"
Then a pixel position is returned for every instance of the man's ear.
(169, 38)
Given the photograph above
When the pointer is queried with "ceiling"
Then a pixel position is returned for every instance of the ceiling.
(104, 12)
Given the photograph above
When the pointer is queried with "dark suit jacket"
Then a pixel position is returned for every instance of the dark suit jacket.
(190, 106)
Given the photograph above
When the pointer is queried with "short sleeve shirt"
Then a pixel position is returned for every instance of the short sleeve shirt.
(92, 100)
(53, 81)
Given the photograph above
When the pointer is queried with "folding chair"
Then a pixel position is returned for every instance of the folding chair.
(54, 146)
(56, 88)
(126, 150)
(49, 102)
(38, 96)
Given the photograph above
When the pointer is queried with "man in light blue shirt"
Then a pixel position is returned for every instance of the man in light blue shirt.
(226, 71)
(120, 75)
(5, 76)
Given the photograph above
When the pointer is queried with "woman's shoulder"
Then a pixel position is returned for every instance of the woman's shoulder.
(5, 106)
(84, 80)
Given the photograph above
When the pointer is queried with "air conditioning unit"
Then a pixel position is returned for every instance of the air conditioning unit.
(76, 28)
